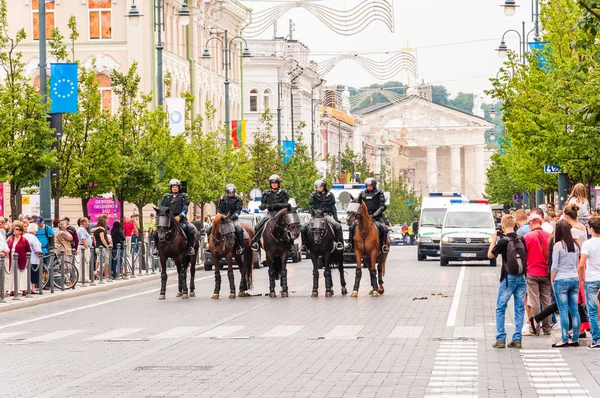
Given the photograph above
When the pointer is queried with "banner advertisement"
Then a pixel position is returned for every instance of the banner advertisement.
(104, 206)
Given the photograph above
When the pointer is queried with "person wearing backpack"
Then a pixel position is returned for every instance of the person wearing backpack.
(513, 280)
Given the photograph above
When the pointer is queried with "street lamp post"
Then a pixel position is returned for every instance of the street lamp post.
(45, 191)
(510, 7)
(226, 48)
(312, 133)
(159, 25)
(340, 147)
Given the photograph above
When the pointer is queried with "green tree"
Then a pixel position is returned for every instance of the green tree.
(263, 153)
(299, 174)
(353, 162)
(24, 130)
(462, 102)
(404, 203)
(440, 95)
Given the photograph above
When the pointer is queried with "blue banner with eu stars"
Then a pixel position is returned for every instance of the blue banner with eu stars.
(288, 148)
(63, 88)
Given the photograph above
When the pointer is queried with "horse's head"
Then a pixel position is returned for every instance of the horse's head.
(293, 224)
(165, 222)
(225, 228)
(356, 211)
(318, 227)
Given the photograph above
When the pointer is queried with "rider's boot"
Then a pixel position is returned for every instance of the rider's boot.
(239, 240)
(351, 232)
(304, 235)
(256, 242)
(339, 236)
(191, 239)
(383, 238)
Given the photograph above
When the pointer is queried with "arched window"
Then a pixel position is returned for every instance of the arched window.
(105, 89)
(267, 99)
(254, 100)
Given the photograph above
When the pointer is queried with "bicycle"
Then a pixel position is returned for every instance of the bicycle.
(71, 272)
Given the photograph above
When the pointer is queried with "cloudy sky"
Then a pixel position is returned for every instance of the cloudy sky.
(454, 39)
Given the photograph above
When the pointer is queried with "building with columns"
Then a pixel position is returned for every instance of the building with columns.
(435, 147)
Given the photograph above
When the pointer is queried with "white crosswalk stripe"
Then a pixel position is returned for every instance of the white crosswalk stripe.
(455, 371)
(178, 332)
(343, 332)
(115, 334)
(59, 334)
(283, 331)
(9, 335)
(221, 331)
(550, 375)
(406, 332)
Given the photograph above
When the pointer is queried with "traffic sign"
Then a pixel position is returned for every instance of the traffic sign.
(518, 198)
(551, 169)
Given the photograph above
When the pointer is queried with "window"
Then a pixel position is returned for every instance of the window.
(36, 19)
(100, 16)
(105, 88)
(267, 99)
(254, 100)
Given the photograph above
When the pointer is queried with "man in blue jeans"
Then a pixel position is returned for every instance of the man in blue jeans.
(511, 284)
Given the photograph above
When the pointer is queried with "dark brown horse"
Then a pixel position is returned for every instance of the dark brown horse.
(172, 243)
(220, 244)
(367, 248)
(279, 233)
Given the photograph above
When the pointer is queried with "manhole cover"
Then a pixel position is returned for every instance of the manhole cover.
(173, 368)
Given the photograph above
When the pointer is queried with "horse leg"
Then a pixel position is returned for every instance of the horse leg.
(179, 282)
(381, 290)
(231, 277)
(192, 276)
(342, 277)
(328, 280)
(315, 261)
(357, 279)
(373, 273)
(217, 279)
(163, 278)
(284, 284)
(182, 268)
(271, 278)
(243, 282)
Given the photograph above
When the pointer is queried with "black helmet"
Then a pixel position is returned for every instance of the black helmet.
(275, 178)
(372, 182)
(321, 183)
(230, 188)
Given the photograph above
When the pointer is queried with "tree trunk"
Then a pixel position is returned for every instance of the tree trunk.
(201, 204)
(142, 254)
(84, 209)
(56, 206)
(15, 201)
(119, 198)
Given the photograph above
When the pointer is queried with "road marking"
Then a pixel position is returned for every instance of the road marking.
(451, 321)
(550, 374)
(406, 332)
(221, 331)
(283, 331)
(52, 336)
(84, 307)
(177, 332)
(455, 371)
(8, 335)
(343, 332)
(115, 334)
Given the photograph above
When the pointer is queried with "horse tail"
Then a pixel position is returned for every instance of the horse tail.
(277, 267)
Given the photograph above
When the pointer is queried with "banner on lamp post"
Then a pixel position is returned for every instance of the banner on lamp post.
(176, 110)
(288, 148)
(64, 94)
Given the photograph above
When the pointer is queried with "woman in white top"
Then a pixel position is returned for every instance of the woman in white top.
(577, 228)
(36, 254)
(579, 197)
(589, 273)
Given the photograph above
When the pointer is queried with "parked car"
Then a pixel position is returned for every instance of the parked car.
(396, 237)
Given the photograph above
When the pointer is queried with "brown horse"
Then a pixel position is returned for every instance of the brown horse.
(172, 243)
(220, 244)
(367, 249)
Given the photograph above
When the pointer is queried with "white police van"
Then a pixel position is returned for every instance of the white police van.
(467, 232)
(433, 211)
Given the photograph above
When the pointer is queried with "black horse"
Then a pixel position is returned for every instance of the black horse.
(172, 243)
(279, 233)
(321, 245)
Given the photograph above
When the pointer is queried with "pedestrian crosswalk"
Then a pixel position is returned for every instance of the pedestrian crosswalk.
(335, 332)
(550, 374)
(455, 371)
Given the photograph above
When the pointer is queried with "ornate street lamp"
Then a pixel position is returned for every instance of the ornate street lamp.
(510, 7)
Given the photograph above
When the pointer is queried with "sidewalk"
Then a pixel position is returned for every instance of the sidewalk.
(79, 290)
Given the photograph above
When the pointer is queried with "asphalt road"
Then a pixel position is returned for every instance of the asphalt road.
(429, 335)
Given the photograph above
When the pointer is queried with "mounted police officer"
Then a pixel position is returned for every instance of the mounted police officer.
(273, 200)
(231, 205)
(322, 199)
(178, 203)
(375, 201)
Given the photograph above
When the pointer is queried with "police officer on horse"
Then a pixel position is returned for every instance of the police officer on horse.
(375, 201)
(322, 199)
(178, 203)
(231, 204)
(273, 200)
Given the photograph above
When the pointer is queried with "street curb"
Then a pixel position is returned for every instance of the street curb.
(81, 291)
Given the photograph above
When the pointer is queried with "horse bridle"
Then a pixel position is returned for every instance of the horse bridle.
(284, 229)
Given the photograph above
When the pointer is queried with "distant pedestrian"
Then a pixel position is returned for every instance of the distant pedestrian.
(85, 241)
(538, 284)
(118, 248)
(521, 222)
(20, 246)
(415, 227)
(63, 242)
(578, 230)
(579, 197)
(565, 279)
(36, 252)
(101, 242)
(589, 273)
(513, 282)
